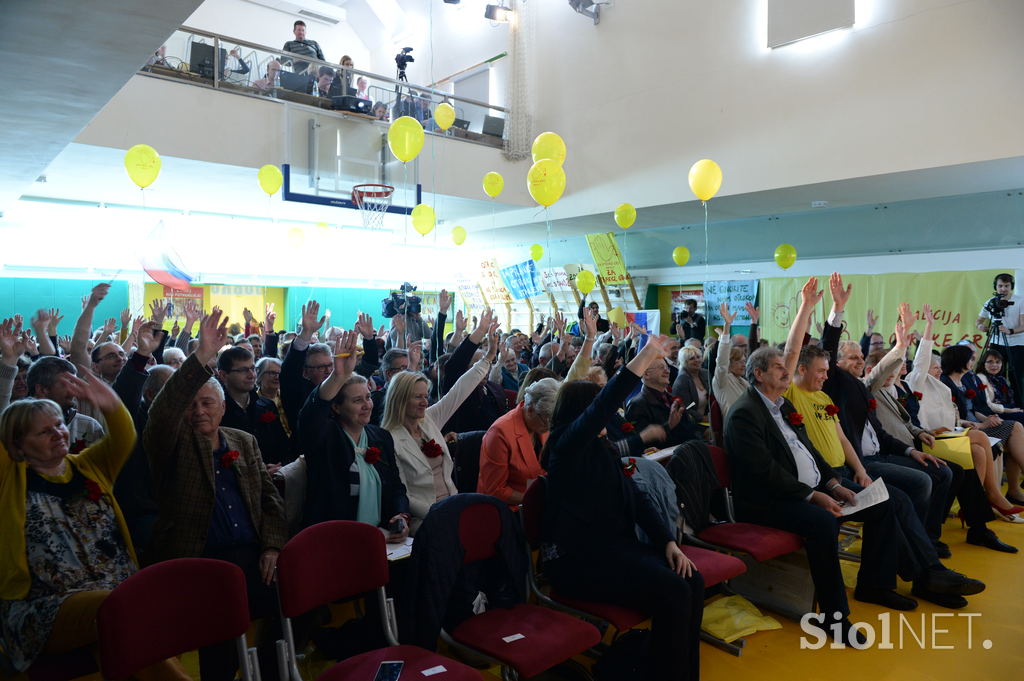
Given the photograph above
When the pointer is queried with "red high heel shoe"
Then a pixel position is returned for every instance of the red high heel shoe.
(1010, 515)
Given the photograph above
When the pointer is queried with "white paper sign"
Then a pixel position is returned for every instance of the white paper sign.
(513, 637)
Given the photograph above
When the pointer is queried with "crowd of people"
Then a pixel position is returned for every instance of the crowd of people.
(124, 447)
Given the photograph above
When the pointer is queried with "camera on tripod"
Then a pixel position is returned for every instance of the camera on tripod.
(398, 300)
(403, 59)
(997, 306)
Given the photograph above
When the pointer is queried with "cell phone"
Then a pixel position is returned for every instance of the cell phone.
(389, 671)
(396, 528)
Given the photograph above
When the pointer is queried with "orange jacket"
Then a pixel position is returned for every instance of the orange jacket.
(507, 459)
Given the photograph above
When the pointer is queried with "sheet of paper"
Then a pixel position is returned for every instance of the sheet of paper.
(513, 637)
(994, 441)
(399, 551)
(661, 454)
(956, 432)
(875, 493)
(434, 670)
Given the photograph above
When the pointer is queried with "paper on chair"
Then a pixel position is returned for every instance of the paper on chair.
(434, 670)
(399, 551)
(875, 493)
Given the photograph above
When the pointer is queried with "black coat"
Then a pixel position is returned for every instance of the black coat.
(134, 486)
(485, 405)
(764, 473)
(329, 458)
(592, 506)
(261, 419)
(440, 589)
(646, 409)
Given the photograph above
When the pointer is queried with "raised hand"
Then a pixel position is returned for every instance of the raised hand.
(486, 318)
(31, 347)
(929, 319)
(147, 339)
(41, 322)
(902, 342)
(415, 355)
(136, 325)
(65, 344)
(191, 313)
(269, 318)
(12, 342)
(108, 327)
(247, 316)
(445, 301)
(126, 318)
(364, 326)
(158, 311)
(723, 310)
(809, 294)
(590, 324)
(213, 334)
(346, 353)
(99, 292)
(872, 319)
(460, 326)
(818, 328)
(494, 343)
(754, 312)
(310, 323)
(55, 318)
(89, 387)
(840, 295)
(905, 317)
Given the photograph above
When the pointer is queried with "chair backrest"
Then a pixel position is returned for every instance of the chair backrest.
(511, 396)
(716, 416)
(534, 505)
(479, 531)
(466, 473)
(721, 466)
(168, 609)
(330, 561)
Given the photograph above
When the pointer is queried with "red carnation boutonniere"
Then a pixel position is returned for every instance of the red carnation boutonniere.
(268, 417)
(954, 399)
(93, 490)
(970, 394)
(796, 418)
(372, 455)
(872, 405)
(918, 396)
(668, 390)
(981, 386)
(628, 469)
(1003, 388)
(77, 446)
(431, 449)
(831, 409)
(628, 427)
(230, 460)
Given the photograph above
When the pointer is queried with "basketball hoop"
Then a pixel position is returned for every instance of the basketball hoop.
(373, 201)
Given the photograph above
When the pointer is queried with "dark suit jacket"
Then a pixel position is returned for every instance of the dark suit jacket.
(854, 400)
(261, 418)
(485, 405)
(134, 487)
(685, 389)
(592, 507)
(183, 474)
(764, 474)
(646, 408)
(329, 456)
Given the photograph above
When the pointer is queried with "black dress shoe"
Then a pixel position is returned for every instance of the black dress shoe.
(943, 550)
(982, 536)
(847, 632)
(951, 601)
(887, 598)
(950, 582)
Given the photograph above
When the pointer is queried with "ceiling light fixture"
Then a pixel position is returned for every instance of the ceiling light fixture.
(498, 13)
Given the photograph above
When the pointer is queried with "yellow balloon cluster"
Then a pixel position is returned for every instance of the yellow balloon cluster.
(681, 255)
(296, 237)
(785, 256)
(405, 138)
(585, 281)
(536, 252)
(459, 235)
(625, 215)
(143, 165)
(493, 184)
(444, 115)
(705, 179)
(549, 146)
(270, 178)
(423, 218)
(546, 181)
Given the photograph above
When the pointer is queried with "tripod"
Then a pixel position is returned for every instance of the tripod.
(1002, 346)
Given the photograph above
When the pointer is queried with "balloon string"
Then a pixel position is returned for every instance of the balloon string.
(405, 185)
(705, 241)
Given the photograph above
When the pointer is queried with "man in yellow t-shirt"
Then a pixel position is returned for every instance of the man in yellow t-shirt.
(821, 415)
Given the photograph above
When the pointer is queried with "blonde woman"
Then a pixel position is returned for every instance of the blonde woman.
(692, 385)
(424, 463)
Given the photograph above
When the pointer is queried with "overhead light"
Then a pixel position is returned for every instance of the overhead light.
(41, 179)
(453, 2)
(582, 7)
(497, 13)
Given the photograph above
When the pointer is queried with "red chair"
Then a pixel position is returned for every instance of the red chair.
(548, 638)
(336, 560)
(511, 396)
(170, 608)
(715, 415)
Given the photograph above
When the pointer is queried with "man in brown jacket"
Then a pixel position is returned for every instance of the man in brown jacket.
(215, 497)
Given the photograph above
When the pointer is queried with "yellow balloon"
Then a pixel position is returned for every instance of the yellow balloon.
(444, 116)
(536, 252)
(143, 164)
(405, 138)
(550, 146)
(493, 184)
(423, 218)
(681, 255)
(625, 215)
(296, 237)
(270, 179)
(546, 182)
(323, 230)
(458, 235)
(585, 281)
(705, 179)
(785, 256)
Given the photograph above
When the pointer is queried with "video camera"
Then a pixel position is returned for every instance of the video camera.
(397, 301)
(403, 58)
(997, 306)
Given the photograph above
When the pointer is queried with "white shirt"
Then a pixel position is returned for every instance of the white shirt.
(806, 469)
(1013, 319)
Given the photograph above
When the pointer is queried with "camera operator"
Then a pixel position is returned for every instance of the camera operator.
(690, 324)
(1004, 311)
(407, 326)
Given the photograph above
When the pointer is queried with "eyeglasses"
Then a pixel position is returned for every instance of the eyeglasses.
(243, 370)
(319, 368)
(272, 374)
(112, 355)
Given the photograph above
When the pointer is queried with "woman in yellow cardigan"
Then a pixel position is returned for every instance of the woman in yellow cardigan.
(63, 541)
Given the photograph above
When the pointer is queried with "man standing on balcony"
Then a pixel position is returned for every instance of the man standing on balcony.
(301, 46)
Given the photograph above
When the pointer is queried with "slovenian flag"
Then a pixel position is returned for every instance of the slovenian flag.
(161, 262)
(638, 318)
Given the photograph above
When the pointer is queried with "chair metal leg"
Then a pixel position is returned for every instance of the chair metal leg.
(736, 648)
(254, 663)
(244, 662)
(282, 660)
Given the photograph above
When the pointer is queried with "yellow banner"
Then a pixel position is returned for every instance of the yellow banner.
(492, 284)
(607, 258)
(956, 298)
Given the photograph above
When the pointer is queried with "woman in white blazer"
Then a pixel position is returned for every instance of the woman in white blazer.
(424, 463)
(728, 383)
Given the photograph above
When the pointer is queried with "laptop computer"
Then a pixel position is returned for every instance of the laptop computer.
(461, 123)
(494, 126)
(296, 82)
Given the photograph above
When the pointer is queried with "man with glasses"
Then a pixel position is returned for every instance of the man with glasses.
(107, 360)
(654, 405)
(245, 410)
(44, 383)
(871, 341)
(395, 361)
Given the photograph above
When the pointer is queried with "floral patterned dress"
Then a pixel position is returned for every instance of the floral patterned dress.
(73, 544)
